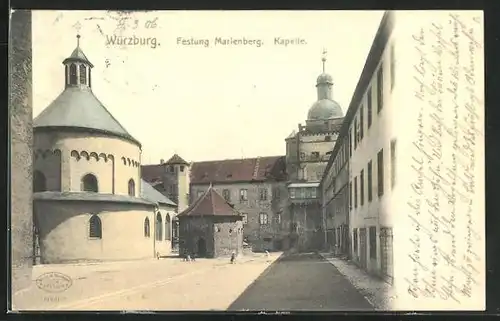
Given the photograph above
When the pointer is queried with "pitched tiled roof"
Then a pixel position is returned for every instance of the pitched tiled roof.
(152, 173)
(176, 159)
(227, 171)
(210, 203)
(238, 170)
(149, 193)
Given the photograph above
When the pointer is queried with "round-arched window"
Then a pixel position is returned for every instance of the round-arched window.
(72, 74)
(95, 227)
(89, 183)
(159, 227)
(131, 187)
(146, 228)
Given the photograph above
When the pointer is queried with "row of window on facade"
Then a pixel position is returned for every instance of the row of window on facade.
(357, 132)
(263, 218)
(226, 193)
(315, 156)
(353, 188)
(303, 192)
(171, 168)
(159, 228)
(88, 183)
(95, 227)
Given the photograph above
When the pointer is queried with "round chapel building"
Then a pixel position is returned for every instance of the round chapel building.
(90, 203)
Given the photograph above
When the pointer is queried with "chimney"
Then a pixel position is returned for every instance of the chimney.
(162, 161)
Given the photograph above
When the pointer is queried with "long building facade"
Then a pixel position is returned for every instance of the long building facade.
(395, 145)
(358, 183)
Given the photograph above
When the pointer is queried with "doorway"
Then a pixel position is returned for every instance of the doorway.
(201, 247)
(386, 253)
(363, 247)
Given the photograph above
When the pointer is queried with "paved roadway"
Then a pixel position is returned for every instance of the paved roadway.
(301, 282)
(292, 282)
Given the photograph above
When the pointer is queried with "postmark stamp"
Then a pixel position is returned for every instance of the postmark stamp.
(54, 282)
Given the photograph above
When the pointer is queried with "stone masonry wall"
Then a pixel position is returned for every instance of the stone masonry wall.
(191, 229)
(21, 221)
(229, 237)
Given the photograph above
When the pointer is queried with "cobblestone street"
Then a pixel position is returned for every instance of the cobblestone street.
(256, 282)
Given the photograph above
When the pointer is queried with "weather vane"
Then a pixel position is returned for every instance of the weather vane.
(324, 58)
(77, 26)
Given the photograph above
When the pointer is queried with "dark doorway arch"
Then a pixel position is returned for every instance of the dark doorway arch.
(201, 247)
(95, 227)
(39, 182)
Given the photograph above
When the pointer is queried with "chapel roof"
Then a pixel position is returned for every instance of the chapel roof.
(78, 56)
(78, 108)
(210, 203)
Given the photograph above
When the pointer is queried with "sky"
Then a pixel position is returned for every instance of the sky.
(205, 103)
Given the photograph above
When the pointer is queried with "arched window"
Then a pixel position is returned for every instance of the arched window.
(131, 187)
(83, 74)
(146, 228)
(95, 227)
(39, 182)
(72, 74)
(168, 229)
(89, 183)
(158, 227)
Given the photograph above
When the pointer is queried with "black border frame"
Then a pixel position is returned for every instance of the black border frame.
(492, 69)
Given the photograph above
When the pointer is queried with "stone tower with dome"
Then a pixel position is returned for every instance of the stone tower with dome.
(90, 203)
(307, 154)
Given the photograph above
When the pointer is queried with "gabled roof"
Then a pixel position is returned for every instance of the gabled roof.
(77, 107)
(152, 173)
(176, 160)
(239, 170)
(226, 171)
(149, 193)
(210, 203)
